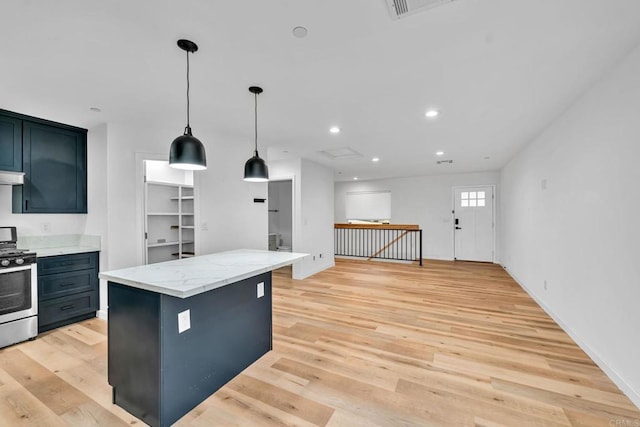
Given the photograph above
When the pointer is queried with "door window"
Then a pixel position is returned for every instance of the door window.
(472, 199)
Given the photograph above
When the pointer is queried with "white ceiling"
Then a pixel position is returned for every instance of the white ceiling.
(499, 71)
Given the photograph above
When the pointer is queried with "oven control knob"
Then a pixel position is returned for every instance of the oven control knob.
(19, 261)
(4, 262)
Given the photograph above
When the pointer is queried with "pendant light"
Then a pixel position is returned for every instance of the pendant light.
(187, 152)
(255, 170)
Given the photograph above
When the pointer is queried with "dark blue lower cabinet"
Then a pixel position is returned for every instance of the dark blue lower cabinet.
(159, 374)
(68, 289)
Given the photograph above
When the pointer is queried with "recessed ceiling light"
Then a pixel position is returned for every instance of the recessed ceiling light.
(334, 129)
(300, 32)
(355, 178)
(95, 109)
(439, 153)
(375, 159)
(432, 113)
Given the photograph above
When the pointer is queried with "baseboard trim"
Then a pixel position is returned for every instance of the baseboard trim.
(632, 394)
(102, 314)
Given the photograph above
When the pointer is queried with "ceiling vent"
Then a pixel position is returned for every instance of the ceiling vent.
(402, 8)
(341, 153)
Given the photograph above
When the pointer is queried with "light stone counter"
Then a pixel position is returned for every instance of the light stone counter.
(63, 244)
(192, 276)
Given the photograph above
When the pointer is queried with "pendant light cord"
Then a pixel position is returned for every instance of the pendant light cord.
(188, 89)
(255, 96)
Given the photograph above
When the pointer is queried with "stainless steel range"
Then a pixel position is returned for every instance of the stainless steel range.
(18, 290)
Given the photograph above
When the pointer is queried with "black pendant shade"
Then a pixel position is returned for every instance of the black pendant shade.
(187, 152)
(255, 170)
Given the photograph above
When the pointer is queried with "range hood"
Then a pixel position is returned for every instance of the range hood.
(11, 178)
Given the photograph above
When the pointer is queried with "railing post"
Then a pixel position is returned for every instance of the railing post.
(420, 248)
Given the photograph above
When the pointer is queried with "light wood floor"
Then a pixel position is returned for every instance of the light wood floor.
(363, 344)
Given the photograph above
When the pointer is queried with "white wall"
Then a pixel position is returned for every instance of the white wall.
(313, 213)
(423, 200)
(581, 233)
(317, 217)
(97, 184)
(228, 218)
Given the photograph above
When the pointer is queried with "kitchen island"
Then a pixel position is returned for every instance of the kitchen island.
(180, 330)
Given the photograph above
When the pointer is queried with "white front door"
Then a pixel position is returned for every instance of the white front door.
(473, 223)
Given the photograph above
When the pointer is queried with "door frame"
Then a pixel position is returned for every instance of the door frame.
(453, 217)
(141, 199)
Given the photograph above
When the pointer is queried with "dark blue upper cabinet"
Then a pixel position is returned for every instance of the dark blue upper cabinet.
(10, 144)
(53, 158)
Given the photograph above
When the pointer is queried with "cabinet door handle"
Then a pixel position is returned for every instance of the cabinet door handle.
(26, 205)
(67, 307)
(67, 284)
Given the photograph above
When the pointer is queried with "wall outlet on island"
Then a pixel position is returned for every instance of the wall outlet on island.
(45, 227)
(184, 321)
(260, 289)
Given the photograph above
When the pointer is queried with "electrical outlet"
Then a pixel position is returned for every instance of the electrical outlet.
(184, 321)
(545, 285)
(204, 226)
(260, 289)
(46, 227)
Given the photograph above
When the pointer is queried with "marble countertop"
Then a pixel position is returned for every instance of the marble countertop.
(64, 244)
(192, 276)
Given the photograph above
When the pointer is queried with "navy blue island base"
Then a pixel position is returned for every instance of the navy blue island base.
(159, 374)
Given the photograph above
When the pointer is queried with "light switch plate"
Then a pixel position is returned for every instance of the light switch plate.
(260, 289)
(184, 321)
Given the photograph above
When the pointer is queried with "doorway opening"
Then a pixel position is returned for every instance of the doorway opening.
(169, 212)
(280, 206)
(474, 223)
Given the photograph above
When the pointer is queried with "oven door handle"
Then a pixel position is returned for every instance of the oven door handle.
(15, 269)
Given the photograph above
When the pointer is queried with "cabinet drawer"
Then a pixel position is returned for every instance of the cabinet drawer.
(61, 284)
(57, 309)
(66, 263)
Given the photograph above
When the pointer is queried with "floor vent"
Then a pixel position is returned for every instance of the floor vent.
(402, 8)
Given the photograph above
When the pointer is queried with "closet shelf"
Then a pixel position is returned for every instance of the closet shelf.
(159, 245)
(167, 207)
